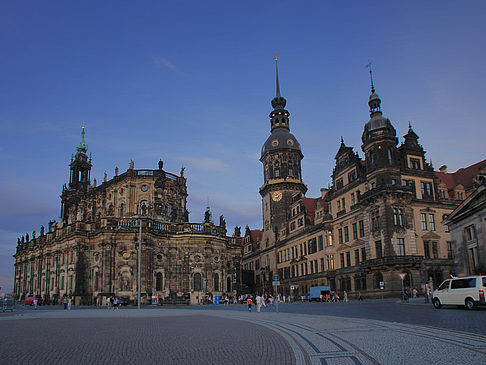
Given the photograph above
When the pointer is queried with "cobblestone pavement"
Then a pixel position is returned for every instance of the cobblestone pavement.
(226, 336)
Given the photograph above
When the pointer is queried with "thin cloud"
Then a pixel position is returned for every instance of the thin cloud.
(161, 60)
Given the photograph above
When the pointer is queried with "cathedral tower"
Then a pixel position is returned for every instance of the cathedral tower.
(79, 178)
(281, 157)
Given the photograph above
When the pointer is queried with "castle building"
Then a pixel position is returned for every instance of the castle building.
(382, 216)
(92, 251)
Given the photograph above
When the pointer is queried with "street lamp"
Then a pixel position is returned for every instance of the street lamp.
(143, 208)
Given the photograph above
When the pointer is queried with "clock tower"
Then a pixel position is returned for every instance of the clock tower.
(281, 157)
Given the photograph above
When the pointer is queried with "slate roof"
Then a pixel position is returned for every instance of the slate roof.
(463, 176)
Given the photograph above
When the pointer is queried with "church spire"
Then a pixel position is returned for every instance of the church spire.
(374, 102)
(278, 102)
(276, 72)
(82, 147)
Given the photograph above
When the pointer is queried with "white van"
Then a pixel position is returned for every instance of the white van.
(467, 291)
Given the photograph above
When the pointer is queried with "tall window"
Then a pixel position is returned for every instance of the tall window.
(356, 257)
(340, 233)
(435, 250)
(372, 160)
(330, 262)
(228, 284)
(355, 231)
(401, 246)
(431, 222)
(348, 258)
(363, 254)
(291, 172)
(427, 249)
(343, 264)
(158, 281)
(423, 221)
(379, 249)
(321, 244)
(346, 234)
(361, 229)
(197, 282)
(398, 217)
(353, 199)
(470, 233)
(216, 282)
(426, 188)
(375, 220)
(277, 169)
(449, 250)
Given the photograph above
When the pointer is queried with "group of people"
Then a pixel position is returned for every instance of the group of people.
(112, 303)
(67, 302)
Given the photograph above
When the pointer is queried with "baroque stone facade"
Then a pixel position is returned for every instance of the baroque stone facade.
(92, 251)
(382, 216)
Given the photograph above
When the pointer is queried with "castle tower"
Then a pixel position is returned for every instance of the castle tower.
(281, 157)
(379, 143)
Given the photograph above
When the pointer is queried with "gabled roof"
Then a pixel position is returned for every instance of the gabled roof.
(463, 176)
(469, 206)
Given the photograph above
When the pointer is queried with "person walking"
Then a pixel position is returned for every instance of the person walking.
(249, 301)
(65, 302)
(345, 296)
(360, 298)
(35, 302)
(69, 303)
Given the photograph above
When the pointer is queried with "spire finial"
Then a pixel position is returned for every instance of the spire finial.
(82, 147)
(342, 140)
(409, 125)
(276, 72)
(368, 66)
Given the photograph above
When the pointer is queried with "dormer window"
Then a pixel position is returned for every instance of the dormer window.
(339, 183)
(415, 163)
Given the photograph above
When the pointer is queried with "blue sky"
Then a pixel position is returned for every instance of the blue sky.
(191, 82)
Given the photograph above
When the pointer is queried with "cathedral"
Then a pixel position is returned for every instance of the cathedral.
(92, 251)
(376, 230)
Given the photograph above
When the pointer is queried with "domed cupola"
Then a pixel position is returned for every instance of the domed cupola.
(377, 120)
(280, 138)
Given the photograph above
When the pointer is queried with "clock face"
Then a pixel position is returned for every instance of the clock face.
(276, 196)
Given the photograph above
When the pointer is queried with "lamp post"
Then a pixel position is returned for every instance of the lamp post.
(139, 262)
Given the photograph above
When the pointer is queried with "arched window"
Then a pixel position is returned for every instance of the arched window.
(291, 171)
(143, 207)
(216, 282)
(197, 282)
(277, 169)
(122, 210)
(228, 284)
(170, 209)
(158, 281)
(378, 279)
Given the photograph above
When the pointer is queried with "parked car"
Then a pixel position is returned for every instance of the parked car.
(467, 291)
(30, 300)
(121, 302)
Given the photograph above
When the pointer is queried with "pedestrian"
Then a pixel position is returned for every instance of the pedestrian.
(69, 303)
(414, 293)
(249, 301)
(321, 296)
(360, 298)
(112, 302)
(65, 302)
(259, 302)
(35, 302)
(345, 296)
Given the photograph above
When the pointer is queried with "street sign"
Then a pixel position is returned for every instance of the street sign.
(276, 277)
(382, 285)
(292, 287)
(275, 283)
(402, 275)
